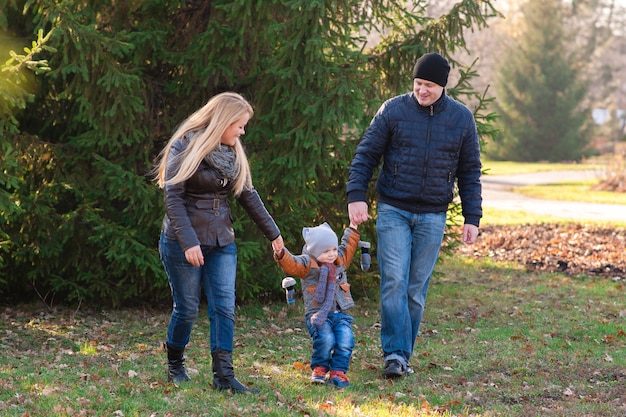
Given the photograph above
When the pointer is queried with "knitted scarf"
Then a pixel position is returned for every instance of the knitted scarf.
(325, 293)
(223, 159)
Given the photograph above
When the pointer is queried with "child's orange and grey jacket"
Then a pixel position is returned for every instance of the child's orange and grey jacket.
(306, 267)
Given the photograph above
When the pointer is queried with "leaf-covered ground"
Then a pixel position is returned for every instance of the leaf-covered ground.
(568, 248)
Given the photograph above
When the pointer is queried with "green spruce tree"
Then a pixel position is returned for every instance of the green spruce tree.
(80, 213)
(539, 90)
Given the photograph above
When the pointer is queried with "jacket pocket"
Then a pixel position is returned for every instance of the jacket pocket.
(344, 297)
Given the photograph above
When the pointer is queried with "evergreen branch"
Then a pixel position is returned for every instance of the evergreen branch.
(27, 61)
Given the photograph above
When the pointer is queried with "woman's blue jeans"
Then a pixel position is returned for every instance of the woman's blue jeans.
(217, 277)
(408, 247)
(333, 342)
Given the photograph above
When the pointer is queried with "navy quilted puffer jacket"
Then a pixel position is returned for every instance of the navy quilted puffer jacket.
(424, 149)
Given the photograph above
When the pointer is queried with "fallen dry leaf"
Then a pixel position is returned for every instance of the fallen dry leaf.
(299, 366)
(571, 249)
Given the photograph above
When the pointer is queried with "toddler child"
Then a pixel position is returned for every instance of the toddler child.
(326, 294)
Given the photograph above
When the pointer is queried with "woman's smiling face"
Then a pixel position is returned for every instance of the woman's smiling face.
(234, 131)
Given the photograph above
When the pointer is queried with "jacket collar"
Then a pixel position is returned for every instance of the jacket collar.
(436, 107)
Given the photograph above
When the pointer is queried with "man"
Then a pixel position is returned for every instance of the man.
(426, 140)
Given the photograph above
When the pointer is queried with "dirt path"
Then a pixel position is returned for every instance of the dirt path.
(497, 194)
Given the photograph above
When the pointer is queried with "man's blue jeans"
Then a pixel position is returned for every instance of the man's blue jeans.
(217, 277)
(332, 342)
(408, 247)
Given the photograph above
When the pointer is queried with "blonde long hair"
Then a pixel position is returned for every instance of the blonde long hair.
(209, 123)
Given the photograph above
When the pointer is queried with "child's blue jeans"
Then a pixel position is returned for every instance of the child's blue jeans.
(332, 342)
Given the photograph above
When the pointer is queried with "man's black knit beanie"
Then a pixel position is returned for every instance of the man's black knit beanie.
(432, 67)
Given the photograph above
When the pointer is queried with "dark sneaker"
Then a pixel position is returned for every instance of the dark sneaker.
(409, 370)
(319, 375)
(338, 379)
(393, 369)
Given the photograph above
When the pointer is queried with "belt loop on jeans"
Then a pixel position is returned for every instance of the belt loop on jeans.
(216, 203)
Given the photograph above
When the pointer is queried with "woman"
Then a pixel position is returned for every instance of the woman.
(200, 167)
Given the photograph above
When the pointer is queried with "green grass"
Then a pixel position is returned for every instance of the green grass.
(492, 216)
(496, 341)
(510, 168)
(572, 191)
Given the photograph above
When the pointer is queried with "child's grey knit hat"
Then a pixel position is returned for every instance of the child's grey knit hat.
(319, 239)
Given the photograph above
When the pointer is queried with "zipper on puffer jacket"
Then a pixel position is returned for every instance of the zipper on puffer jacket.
(426, 155)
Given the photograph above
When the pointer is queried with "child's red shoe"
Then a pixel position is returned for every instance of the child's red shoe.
(339, 379)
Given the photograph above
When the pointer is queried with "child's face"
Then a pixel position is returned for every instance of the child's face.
(328, 256)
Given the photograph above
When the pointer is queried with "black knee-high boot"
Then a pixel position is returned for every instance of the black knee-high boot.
(224, 374)
(176, 371)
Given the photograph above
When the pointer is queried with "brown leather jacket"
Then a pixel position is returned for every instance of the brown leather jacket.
(197, 211)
